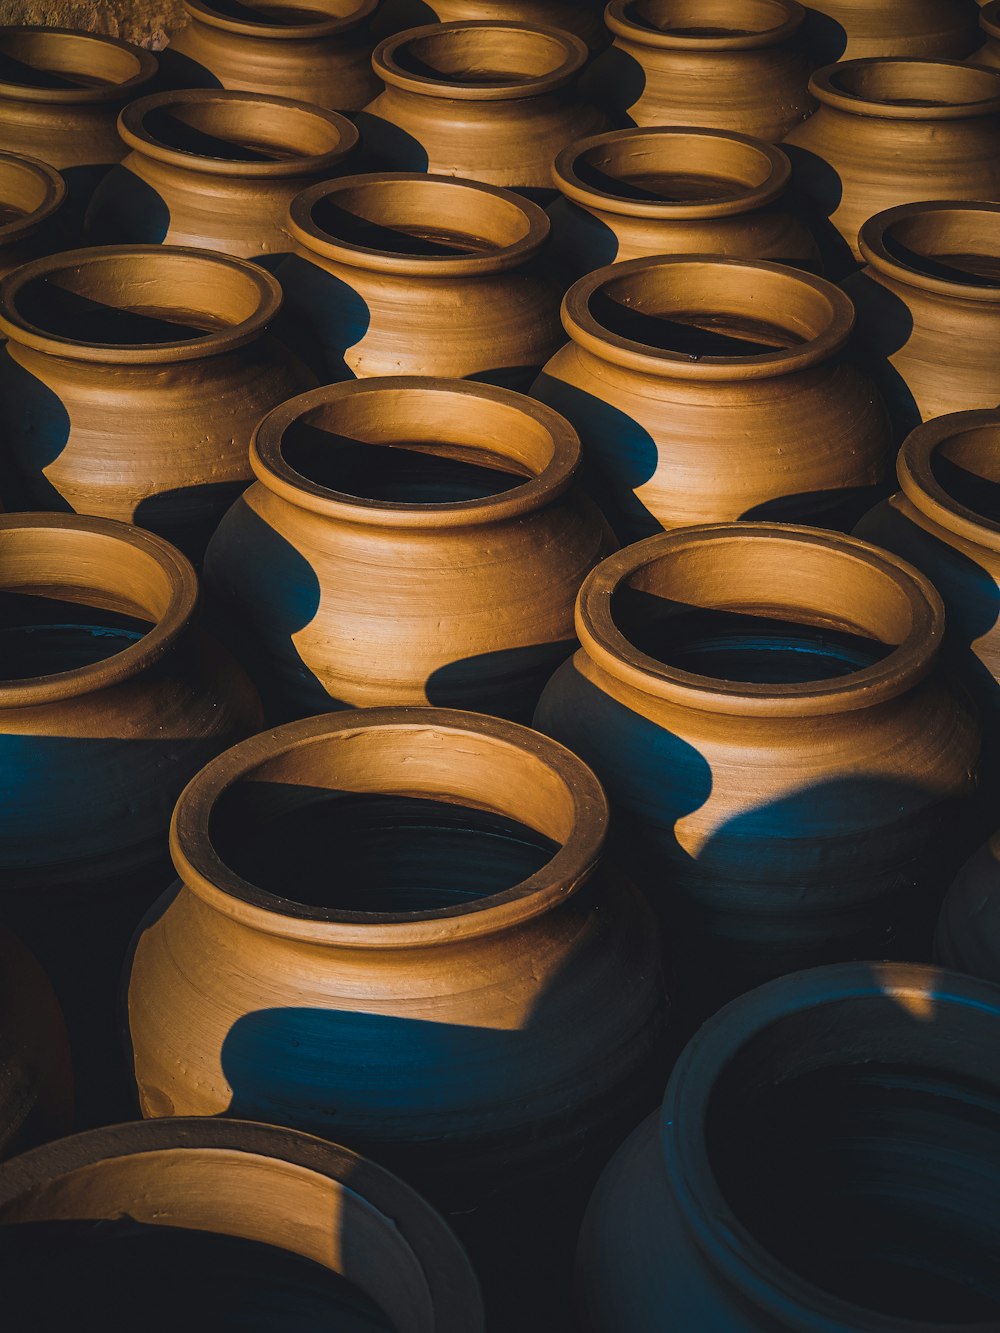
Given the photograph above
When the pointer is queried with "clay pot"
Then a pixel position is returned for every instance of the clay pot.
(217, 170)
(968, 929)
(386, 553)
(249, 1225)
(784, 762)
(928, 305)
(492, 102)
(421, 275)
(31, 196)
(132, 379)
(860, 29)
(718, 64)
(823, 1159)
(633, 193)
(319, 53)
(989, 21)
(706, 389)
(584, 18)
(893, 132)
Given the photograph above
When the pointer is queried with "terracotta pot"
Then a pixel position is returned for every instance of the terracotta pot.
(492, 102)
(474, 994)
(121, 1214)
(217, 170)
(718, 64)
(421, 275)
(860, 29)
(634, 193)
(968, 929)
(893, 132)
(132, 379)
(584, 18)
(989, 21)
(816, 1144)
(319, 53)
(36, 1077)
(783, 759)
(928, 305)
(31, 196)
(707, 389)
(386, 552)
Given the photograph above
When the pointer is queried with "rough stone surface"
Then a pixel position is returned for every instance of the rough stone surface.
(148, 23)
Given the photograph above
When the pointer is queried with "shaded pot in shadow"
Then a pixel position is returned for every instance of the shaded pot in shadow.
(968, 930)
(32, 199)
(858, 29)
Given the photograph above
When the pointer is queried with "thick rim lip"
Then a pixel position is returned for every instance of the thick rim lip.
(750, 197)
(621, 25)
(390, 72)
(332, 27)
(504, 257)
(20, 331)
(822, 88)
(273, 471)
(133, 132)
(925, 493)
(114, 92)
(203, 871)
(586, 332)
(55, 196)
(613, 653)
(989, 19)
(871, 242)
(138, 656)
(790, 1300)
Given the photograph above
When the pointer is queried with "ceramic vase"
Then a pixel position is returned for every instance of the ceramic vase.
(583, 18)
(859, 29)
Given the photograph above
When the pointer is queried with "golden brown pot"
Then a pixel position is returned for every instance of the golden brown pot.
(584, 18)
(707, 389)
(317, 53)
(408, 541)
(989, 21)
(155, 1211)
(893, 132)
(31, 196)
(217, 169)
(859, 29)
(968, 930)
(133, 377)
(718, 64)
(633, 193)
(492, 102)
(783, 760)
(421, 275)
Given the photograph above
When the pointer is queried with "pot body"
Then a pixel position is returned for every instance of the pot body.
(32, 201)
(968, 929)
(856, 29)
(585, 19)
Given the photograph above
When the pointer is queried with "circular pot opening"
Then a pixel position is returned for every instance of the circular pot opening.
(714, 19)
(966, 466)
(958, 245)
(29, 190)
(915, 83)
(280, 14)
(490, 54)
(68, 62)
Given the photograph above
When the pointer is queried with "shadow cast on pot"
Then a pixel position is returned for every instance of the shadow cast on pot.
(321, 319)
(505, 683)
(189, 515)
(614, 81)
(35, 426)
(836, 510)
(825, 38)
(126, 210)
(179, 71)
(386, 147)
(816, 193)
(884, 327)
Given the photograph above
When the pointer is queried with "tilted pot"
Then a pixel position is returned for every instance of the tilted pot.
(968, 929)
(408, 541)
(31, 196)
(989, 21)
(716, 64)
(824, 1161)
(157, 1211)
(132, 379)
(706, 389)
(217, 169)
(633, 193)
(487, 101)
(784, 760)
(584, 18)
(318, 53)
(420, 275)
(860, 29)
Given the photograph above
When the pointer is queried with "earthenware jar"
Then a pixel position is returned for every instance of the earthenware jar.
(217, 169)
(989, 21)
(893, 132)
(31, 197)
(633, 193)
(822, 1142)
(320, 52)
(706, 389)
(585, 18)
(132, 379)
(250, 1225)
(784, 762)
(487, 101)
(385, 553)
(472, 991)
(422, 275)
(928, 304)
(859, 29)
(718, 64)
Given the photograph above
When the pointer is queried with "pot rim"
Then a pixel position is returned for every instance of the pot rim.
(587, 332)
(132, 130)
(924, 491)
(989, 20)
(214, 343)
(906, 664)
(750, 197)
(772, 1288)
(871, 242)
(335, 26)
(202, 870)
(111, 92)
(823, 88)
(274, 472)
(55, 196)
(314, 239)
(451, 1282)
(137, 657)
(388, 69)
(617, 20)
